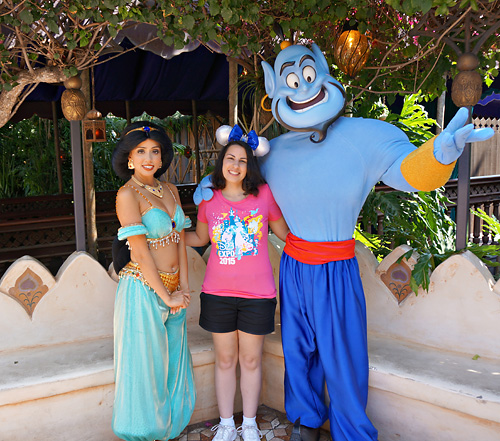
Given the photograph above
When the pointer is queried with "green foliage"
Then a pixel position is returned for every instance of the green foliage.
(28, 159)
(419, 220)
(69, 35)
(413, 120)
(27, 154)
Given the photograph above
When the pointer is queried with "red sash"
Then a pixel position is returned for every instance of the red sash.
(317, 253)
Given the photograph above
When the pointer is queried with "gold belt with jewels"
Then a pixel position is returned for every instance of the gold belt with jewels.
(170, 280)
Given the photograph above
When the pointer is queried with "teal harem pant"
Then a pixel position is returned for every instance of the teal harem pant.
(323, 319)
(154, 384)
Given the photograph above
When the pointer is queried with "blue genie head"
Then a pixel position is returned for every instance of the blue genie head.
(305, 97)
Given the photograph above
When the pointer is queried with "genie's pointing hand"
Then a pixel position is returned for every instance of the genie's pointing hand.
(450, 143)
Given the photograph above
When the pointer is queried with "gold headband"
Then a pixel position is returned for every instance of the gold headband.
(146, 129)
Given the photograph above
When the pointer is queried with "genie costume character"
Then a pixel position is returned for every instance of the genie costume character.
(320, 174)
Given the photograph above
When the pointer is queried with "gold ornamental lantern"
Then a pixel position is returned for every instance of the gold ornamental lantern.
(73, 100)
(94, 127)
(467, 86)
(351, 52)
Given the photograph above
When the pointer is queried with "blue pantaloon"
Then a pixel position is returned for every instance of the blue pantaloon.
(323, 318)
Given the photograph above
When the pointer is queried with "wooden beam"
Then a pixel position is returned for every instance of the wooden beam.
(196, 142)
(233, 92)
(57, 148)
(76, 160)
(88, 174)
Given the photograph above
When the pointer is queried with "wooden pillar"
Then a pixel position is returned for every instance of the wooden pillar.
(127, 112)
(463, 191)
(76, 160)
(88, 175)
(233, 92)
(440, 112)
(57, 148)
(196, 142)
(463, 181)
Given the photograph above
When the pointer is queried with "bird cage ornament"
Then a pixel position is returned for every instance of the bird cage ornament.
(351, 52)
(94, 127)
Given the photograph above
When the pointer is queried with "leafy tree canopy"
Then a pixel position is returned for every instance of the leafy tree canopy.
(415, 42)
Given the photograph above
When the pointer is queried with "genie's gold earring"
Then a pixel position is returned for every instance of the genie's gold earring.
(130, 164)
(262, 103)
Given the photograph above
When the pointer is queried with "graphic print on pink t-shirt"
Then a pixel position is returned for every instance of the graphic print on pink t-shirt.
(235, 237)
(239, 263)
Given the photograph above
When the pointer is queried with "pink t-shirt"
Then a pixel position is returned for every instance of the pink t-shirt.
(239, 264)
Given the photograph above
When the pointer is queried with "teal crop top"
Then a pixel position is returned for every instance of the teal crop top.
(157, 224)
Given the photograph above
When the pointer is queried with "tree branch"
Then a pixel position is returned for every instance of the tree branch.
(10, 100)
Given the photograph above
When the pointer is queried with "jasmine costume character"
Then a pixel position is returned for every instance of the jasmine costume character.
(320, 174)
(154, 385)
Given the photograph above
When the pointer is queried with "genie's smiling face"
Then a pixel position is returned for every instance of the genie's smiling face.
(303, 92)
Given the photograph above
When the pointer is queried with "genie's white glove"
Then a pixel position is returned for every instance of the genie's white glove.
(204, 190)
(450, 143)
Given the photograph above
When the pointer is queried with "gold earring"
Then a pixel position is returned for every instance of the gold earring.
(262, 103)
(130, 164)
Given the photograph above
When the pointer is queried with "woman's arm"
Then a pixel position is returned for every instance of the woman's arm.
(183, 265)
(280, 228)
(128, 212)
(198, 238)
(182, 256)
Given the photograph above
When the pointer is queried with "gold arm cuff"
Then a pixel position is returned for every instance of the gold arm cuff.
(423, 171)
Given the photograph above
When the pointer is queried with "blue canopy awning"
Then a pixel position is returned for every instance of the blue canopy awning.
(150, 83)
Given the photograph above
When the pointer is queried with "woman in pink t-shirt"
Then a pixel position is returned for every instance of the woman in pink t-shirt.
(238, 301)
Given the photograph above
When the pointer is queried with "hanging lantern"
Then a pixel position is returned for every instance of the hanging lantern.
(73, 100)
(94, 127)
(467, 86)
(351, 52)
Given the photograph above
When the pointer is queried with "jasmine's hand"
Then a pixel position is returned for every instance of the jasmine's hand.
(204, 190)
(182, 296)
(450, 143)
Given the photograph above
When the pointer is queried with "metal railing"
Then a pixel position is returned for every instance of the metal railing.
(43, 226)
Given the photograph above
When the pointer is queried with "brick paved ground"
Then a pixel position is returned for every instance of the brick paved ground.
(272, 424)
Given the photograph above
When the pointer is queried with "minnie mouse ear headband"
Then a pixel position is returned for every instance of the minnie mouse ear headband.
(226, 134)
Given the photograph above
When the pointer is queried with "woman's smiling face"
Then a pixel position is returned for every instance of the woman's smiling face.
(146, 157)
(234, 165)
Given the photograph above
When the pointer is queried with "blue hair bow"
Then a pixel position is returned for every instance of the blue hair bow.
(237, 135)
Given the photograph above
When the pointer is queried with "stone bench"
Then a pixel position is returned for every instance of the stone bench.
(56, 350)
(434, 358)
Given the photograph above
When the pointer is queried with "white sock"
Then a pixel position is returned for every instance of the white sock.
(249, 421)
(227, 421)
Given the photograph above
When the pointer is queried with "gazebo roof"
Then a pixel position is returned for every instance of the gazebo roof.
(149, 82)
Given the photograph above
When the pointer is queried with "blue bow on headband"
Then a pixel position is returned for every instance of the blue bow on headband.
(237, 135)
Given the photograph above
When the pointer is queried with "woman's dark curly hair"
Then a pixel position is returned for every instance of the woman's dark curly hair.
(253, 179)
(130, 140)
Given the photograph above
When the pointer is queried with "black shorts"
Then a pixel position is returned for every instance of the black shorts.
(221, 314)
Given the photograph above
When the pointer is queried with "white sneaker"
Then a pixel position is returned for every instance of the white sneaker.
(250, 433)
(224, 433)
